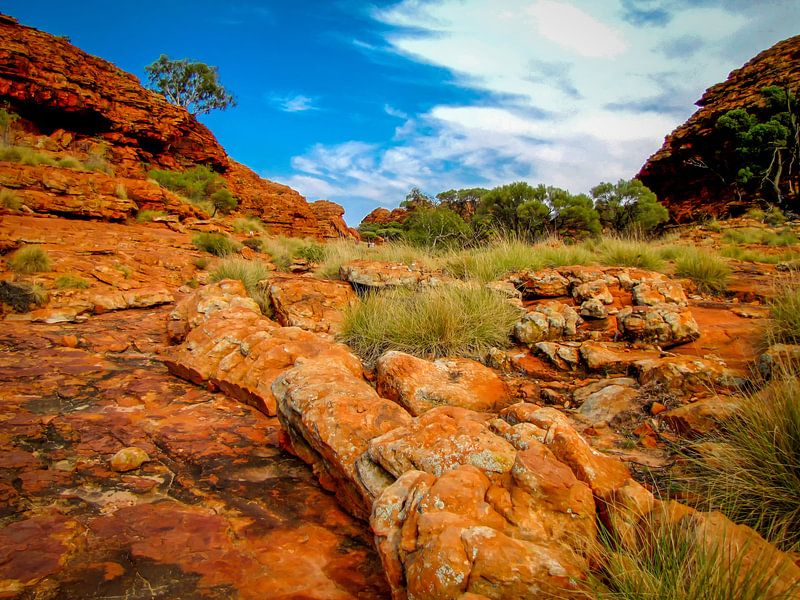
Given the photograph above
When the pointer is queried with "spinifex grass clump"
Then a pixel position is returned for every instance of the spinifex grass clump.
(709, 272)
(215, 243)
(750, 469)
(247, 225)
(69, 281)
(249, 272)
(457, 320)
(785, 312)
(680, 561)
(29, 259)
(619, 252)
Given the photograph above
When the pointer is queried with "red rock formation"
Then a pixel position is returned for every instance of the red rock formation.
(69, 100)
(384, 216)
(691, 191)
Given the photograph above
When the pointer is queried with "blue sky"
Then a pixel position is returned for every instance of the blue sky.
(358, 102)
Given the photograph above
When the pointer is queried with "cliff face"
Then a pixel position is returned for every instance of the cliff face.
(675, 173)
(69, 100)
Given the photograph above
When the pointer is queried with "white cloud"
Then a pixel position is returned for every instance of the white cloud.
(574, 92)
(295, 103)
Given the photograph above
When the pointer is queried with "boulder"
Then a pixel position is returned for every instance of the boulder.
(312, 304)
(372, 274)
(564, 357)
(419, 385)
(663, 324)
(549, 320)
(653, 292)
(686, 374)
(700, 417)
(541, 284)
(608, 400)
(611, 357)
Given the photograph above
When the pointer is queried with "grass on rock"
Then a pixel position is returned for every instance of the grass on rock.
(250, 273)
(619, 252)
(8, 199)
(29, 259)
(69, 281)
(677, 562)
(709, 272)
(784, 326)
(246, 225)
(146, 216)
(750, 468)
(215, 243)
(456, 320)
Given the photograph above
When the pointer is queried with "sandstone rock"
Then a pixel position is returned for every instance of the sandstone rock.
(541, 284)
(607, 400)
(651, 293)
(137, 298)
(312, 304)
(330, 415)
(377, 275)
(419, 385)
(593, 290)
(700, 417)
(441, 440)
(593, 308)
(663, 324)
(547, 321)
(129, 459)
(686, 374)
(694, 192)
(562, 356)
(234, 348)
(384, 216)
(609, 357)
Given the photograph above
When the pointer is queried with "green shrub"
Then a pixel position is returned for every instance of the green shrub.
(457, 320)
(8, 199)
(629, 207)
(619, 252)
(670, 561)
(756, 214)
(250, 273)
(197, 183)
(29, 259)
(21, 295)
(713, 225)
(784, 326)
(436, 228)
(774, 216)
(246, 225)
(69, 162)
(201, 263)
(749, 469)
(25, 155)
(223, 201)
(313, 253)
(752, 235)
(709, 272)
(70, 281)
(255, 243)
(146, 216)
(215, 243)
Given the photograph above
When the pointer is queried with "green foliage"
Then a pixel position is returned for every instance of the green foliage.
(516, 208)
(436, 228)
(313, 253)
(197, 183)
(215, 243)
(193, 85)
(620, 252)
(463, 202)
(456, 320)
(757, 256)
(25, 156)
(246, 225)
(388, 231)
(709, 272)
(574, 215)
(146, 216)
(201, 263)
(753, 235)
(69, 281)
(416, 199)
(223, 201)
(758, 147)
(69, 162)
(749, 470)
(774, 216)
(254, 243)
(29, 259)
(250, 273)
(8, 199)
(628, 207)
(755, 213)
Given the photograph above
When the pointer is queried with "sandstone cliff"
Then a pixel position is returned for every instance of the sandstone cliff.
(73, 102)
(691, 191)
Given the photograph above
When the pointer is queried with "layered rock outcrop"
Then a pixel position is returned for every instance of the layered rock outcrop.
(676, 172)
(70, 101)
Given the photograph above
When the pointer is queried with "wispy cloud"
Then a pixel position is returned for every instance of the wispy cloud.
(294, 103)
(572, 91)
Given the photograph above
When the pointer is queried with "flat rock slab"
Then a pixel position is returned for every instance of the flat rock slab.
(217, 512)
(312, 304)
